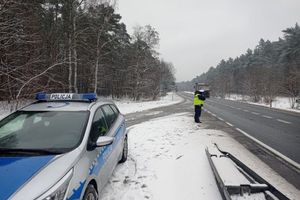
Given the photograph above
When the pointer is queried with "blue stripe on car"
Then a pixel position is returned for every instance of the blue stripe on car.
(77, 192)
(15, 171)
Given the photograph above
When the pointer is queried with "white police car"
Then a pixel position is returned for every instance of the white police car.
(64, 146)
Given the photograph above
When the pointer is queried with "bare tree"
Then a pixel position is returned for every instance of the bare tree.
(291, 86)
(36, 77)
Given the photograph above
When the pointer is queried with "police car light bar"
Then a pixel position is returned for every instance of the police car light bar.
(42, 96)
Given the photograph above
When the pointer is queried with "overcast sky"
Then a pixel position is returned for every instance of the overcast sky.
(197, 34)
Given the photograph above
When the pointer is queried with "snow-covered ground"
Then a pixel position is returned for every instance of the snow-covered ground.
(128, 106)
(4, 109)
(167, 160)
(125, 106)
(283, 103)
(3, 114)
(188, 92)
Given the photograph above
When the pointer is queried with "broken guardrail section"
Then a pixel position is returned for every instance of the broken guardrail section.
(237, 181)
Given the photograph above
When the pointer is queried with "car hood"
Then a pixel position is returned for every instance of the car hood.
(30, 177)
(15, 171)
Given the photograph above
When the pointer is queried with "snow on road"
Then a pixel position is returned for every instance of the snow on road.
(128, 106)
(167, 160)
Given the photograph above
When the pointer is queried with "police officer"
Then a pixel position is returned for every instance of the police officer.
(199, 99)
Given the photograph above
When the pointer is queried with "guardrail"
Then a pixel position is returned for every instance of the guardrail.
(242, 182)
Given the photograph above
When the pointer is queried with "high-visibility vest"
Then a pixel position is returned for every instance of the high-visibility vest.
(197, 101)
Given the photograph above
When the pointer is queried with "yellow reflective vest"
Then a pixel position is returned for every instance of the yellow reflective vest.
(198, 101)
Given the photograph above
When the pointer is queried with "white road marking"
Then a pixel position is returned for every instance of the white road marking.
(213, 114)
(266, 116)
(228, 124)
(220, 119)
(255, 113)
(246, 110)
(283, 121)
(295, 164)
(242, 132)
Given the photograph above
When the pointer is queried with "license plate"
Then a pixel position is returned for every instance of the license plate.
(61, 96)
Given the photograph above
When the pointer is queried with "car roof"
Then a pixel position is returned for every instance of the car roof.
(63, 105)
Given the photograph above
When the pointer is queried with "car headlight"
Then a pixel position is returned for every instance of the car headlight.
(59, 190)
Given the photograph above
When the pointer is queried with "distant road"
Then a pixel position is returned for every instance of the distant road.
(278, 129)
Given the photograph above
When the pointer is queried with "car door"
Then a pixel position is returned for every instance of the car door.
(121, 129)
(111, 119)
(101, 155)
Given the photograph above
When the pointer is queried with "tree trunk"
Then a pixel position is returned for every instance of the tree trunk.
(96, 72)
(70, 64)
(70, 47)
(75, 56)
(97, 63)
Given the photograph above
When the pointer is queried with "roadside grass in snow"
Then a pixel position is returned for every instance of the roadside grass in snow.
(167, 160)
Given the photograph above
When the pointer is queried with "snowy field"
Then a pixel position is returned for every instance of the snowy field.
(167, 160)
(282, 103)
(128, 106)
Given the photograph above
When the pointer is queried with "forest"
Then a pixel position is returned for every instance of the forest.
(77, 46)
(270, 69)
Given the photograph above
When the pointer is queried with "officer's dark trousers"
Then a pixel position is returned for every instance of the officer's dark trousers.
(197, 114)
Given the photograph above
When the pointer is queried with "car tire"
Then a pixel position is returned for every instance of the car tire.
(125, 151)
(90, 193)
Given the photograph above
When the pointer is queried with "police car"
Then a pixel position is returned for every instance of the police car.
(63, 146)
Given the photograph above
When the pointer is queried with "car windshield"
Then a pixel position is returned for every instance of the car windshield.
(46, 131)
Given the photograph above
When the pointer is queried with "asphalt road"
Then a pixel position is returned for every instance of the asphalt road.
(278, 129)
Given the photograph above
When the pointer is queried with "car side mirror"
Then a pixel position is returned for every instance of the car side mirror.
(104, 141)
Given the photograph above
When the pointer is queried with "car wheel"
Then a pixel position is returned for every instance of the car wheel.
(125, 151)
(90, 193)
